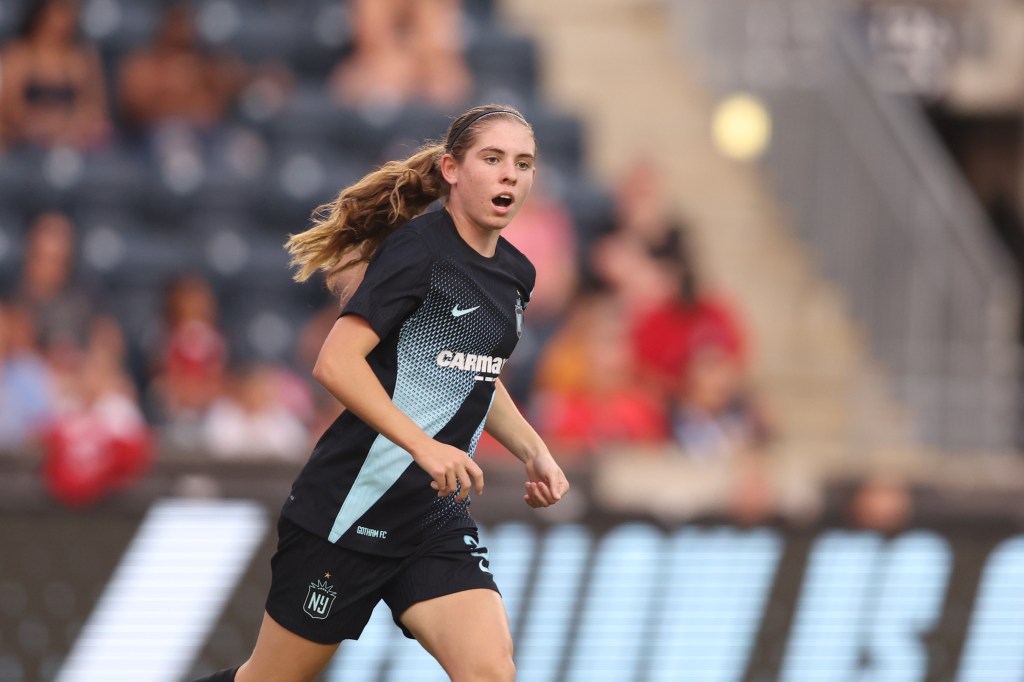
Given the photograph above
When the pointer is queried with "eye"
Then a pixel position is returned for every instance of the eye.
(524, 165)
(491, 160)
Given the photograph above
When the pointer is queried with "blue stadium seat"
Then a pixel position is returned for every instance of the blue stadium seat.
(411, 126)
(11, 12)
(12, 229)
(502, 63)
(559, 141)
(592, 209)
(313, 120)
(139, 310)
(263, 326)
(115, 176)
(20, 176)
(304, 175)
(123, 251)
(481, 11)
(116, 26)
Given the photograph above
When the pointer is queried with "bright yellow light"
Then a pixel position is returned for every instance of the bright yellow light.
(741, 127)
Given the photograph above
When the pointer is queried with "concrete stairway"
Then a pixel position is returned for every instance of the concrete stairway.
(618, 65)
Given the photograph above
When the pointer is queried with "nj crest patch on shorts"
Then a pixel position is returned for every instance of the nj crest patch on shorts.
(319, 600)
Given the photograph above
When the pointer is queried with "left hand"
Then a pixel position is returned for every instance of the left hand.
(545, 484)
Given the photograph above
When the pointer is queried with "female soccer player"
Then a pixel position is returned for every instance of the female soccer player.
(380, 511)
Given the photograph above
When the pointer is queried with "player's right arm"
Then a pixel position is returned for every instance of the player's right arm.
(343, 370)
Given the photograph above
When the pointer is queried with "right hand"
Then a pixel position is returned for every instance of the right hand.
(450, 468)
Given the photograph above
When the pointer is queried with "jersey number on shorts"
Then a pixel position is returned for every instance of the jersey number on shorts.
(478, 551)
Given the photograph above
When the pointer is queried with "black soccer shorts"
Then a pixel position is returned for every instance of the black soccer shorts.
(326, 593)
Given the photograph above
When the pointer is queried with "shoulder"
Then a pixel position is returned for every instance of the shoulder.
(520, 265)
(409, 244)
(411, 233)
(424, 226)
(426, 234)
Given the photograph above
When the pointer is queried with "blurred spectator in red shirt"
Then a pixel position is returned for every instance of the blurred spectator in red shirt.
(189, 370)
(100, 441)
(670, 329)
(587, 396)
(53, 90)
(690, 347)
(404, 50)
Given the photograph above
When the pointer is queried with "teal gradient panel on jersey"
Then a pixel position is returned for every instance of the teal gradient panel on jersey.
(427, 393)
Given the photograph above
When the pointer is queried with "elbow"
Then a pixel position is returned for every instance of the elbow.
(322, 373)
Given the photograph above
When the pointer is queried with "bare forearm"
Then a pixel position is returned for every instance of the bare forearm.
(353, 383)
(509, 427)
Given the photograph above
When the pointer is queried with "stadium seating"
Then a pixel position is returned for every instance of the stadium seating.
(146, 214)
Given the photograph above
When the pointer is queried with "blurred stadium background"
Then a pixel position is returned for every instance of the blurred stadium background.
(808, 470)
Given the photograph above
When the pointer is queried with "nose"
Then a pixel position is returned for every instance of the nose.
(508, 173)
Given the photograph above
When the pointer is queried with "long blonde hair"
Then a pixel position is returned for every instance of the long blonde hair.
(347, 231)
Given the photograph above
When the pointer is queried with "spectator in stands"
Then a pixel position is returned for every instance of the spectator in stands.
(60, 303)
(175, 80)
(251, 420)
(690, 349)
(53, 90)
(189, 369)
(642, 207)
(690, 346)
(178, 95)
(587, 396)
(714, 415)
(404, 50)
(647, 262)
(631, 260)
(881, 503)
(27, 398)
(99, 441)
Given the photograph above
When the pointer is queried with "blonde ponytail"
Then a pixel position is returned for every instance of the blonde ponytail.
(347, 231)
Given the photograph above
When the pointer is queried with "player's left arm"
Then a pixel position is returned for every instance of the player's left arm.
(546, 483)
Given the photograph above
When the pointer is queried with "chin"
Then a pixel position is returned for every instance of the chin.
(496, 222)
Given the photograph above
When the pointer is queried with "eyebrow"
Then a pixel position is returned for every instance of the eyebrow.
(502, 151)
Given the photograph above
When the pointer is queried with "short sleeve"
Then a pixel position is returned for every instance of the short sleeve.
(395, 284)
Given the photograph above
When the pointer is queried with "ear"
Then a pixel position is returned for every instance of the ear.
(449, 169)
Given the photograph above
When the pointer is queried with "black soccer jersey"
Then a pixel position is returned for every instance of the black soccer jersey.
(448, 319)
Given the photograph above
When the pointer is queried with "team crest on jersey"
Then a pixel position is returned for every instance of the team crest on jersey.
(519, 314)
(319, 600)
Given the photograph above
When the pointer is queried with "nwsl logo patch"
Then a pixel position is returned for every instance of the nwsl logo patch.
(319, 599)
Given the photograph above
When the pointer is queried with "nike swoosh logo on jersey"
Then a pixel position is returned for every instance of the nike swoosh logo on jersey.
(459, 313)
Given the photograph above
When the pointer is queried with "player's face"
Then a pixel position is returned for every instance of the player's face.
(490, 184)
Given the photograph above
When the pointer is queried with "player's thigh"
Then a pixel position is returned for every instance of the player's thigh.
(467, 632)
(283, 656)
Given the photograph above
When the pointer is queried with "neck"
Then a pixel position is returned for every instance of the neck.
(481, 240)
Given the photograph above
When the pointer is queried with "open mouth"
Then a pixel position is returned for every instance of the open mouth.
(502, 200)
